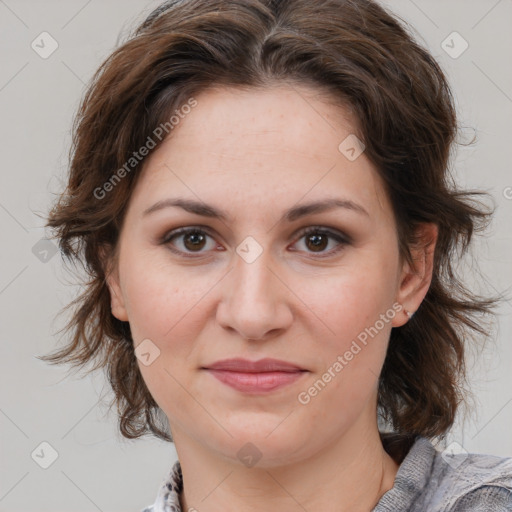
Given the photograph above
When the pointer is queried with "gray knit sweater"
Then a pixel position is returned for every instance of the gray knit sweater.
(426, 481)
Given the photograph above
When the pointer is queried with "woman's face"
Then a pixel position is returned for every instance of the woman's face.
(252, 285)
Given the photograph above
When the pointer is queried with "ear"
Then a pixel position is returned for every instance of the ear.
(109, 263)
(415, 279)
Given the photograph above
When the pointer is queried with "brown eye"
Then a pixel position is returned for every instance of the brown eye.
(194, 240)
(186, 241)
(317, 242)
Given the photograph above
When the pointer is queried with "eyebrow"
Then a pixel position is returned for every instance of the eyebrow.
(291, 215)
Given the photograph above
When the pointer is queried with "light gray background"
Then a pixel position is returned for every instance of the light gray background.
(96, 469)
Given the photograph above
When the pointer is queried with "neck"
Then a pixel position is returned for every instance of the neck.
(350, 474)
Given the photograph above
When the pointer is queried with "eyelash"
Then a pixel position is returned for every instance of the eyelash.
(342, 240)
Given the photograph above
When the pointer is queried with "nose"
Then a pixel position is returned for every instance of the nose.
(255, 300)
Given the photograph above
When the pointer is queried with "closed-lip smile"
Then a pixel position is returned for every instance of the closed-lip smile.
(255, 377)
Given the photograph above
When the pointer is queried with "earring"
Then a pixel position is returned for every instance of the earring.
(408, 313)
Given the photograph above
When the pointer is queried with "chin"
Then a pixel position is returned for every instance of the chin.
(263, 444)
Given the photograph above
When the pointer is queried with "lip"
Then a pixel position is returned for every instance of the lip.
(239, 364)
(255, 377)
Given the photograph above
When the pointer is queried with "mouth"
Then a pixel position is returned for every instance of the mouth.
(255, 377)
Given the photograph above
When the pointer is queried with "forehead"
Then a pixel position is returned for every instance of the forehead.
(283, 119)
(273, 145)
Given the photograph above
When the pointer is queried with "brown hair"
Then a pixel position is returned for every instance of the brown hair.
(364, 58)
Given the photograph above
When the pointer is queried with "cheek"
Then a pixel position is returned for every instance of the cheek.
(167, 307)
(350, 299)
(159, 299)
(354, 313)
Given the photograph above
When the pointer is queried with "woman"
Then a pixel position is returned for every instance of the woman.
(259, 191)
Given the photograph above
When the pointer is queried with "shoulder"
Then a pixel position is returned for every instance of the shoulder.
(435, 481)
(168, 497)
(472, 482)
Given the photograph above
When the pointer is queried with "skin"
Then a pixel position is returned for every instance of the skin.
(256, 154)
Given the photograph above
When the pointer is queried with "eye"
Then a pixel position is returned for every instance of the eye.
(316, 239)
(195, 239)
